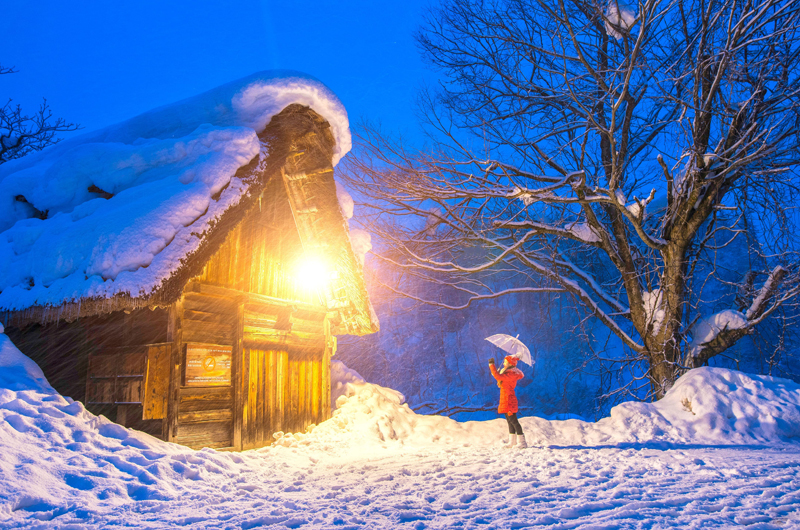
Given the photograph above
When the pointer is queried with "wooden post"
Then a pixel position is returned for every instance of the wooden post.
(240, 383)
(325, 371)
(122, 415)
(175, 336)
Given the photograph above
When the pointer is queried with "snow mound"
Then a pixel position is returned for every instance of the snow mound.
(711, 406)
(370, 416)
(115, 211)
(57, 456)
(17, 371)
(707, 406)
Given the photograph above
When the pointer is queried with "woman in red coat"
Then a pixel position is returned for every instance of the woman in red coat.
(507, 379)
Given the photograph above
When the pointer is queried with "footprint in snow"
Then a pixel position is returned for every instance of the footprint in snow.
(78, 482)
(467, 498)
(81, 436)
(52, 412)
(18, 424)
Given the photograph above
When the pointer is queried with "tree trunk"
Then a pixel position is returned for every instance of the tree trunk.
(664, 341)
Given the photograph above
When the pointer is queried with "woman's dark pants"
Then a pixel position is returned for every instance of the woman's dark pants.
(513, 424)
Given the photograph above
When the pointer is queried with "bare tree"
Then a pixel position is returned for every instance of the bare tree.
(616, 153)
(21, 134)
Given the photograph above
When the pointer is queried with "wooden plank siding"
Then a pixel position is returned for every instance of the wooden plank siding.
(246, 297)
(156, 382)
(283, 394)
(205, 417)
(260, 254)
(278, 377)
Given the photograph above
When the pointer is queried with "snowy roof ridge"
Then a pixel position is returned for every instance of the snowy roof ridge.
(105, 220)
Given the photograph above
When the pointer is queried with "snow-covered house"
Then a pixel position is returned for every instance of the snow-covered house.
(186, 271)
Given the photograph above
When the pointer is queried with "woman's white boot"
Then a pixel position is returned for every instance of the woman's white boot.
(522, 444)
(512, 441)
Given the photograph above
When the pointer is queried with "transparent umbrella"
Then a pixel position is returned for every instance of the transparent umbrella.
(513, 346)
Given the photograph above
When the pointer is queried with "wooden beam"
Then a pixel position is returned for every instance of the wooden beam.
(240, 384)
(175, 336)
(325, 372)
(254, 298)
(156, 382)
(122, 414)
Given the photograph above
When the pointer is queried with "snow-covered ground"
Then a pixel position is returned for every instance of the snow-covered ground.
(719, 451)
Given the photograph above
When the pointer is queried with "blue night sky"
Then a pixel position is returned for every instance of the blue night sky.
(98, 63)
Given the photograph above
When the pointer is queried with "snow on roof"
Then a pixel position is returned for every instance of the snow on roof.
(63, 239)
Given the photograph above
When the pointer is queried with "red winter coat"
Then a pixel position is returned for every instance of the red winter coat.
(507, 380)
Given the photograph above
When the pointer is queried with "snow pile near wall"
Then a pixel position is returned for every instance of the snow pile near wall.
(17, 371)
(55, 451)
(116, 210)
(369, 417)
(706, 406)
(58, 458)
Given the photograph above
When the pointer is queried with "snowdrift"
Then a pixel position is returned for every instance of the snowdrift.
(707, 406)
(58, 457)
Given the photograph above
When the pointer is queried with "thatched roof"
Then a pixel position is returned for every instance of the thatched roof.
(143, 216)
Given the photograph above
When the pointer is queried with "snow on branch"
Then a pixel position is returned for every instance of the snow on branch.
(766, 292)
(708, 330)
(653, 309)
(720, 331)
(580, 232)
(618, 19)
(584, 232)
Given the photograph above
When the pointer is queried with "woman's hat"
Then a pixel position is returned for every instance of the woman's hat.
(512, 360)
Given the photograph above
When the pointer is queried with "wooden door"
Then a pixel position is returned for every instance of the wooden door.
(285, 393)
(264, 404)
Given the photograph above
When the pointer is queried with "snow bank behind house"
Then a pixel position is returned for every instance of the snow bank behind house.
(706, 406)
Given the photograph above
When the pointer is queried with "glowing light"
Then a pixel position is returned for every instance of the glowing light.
(313, 273)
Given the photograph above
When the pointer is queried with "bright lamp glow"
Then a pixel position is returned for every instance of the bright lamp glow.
(312, 273)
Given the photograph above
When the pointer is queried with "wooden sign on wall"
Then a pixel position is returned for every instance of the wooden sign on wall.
(207, 365)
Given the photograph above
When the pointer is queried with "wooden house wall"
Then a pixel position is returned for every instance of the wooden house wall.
(247, 298)
(281, 376)
(101, 361)
(287, 388)
(200, 416)
(132, 365)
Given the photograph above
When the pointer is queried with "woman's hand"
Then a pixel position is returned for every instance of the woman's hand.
(491, 360)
